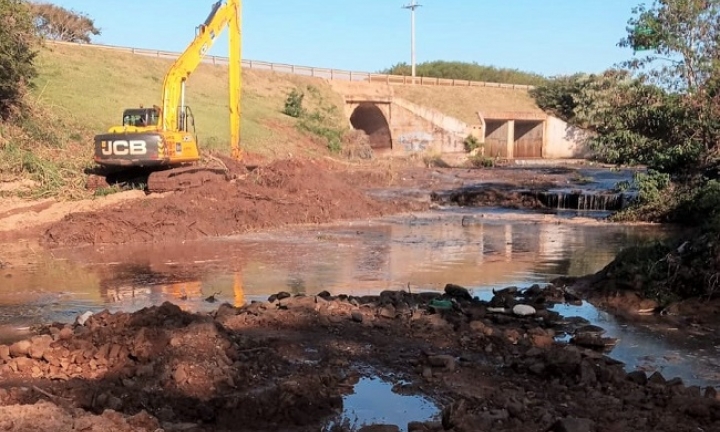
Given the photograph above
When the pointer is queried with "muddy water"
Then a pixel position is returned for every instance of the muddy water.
(419, 252)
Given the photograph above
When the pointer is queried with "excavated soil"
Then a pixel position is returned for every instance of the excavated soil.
(296, 191)
(281, 193)
(285, 365)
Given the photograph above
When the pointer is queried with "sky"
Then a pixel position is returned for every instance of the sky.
(549, 37)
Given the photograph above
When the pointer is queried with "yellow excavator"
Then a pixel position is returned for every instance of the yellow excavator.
(162, 139)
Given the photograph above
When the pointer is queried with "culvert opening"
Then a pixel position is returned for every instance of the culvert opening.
(369, 118)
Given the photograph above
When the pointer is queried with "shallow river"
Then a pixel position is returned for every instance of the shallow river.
(480, 249)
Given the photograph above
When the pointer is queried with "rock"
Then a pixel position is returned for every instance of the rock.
(638, 377)
(82, 319)
(416, 426)
(446, 361)
(20, 348)
(457, 292)
(571, 424)
(496, 414)
(542, 341)
(180, 376)
(66, 333)
(24, 364)
(710, 393)
(39, 345)
(387, 311)
(114, 403)
(4, 352)
(590, 341)
(657, 378)
(477, 326)
(537, 368)
(356, 316)
(515, 408)
(591, 330)
(145, 370)
(523, 310)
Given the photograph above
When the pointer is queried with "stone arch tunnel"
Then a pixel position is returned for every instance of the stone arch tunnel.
(369, 118)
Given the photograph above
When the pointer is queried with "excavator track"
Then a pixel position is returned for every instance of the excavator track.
(178, 179)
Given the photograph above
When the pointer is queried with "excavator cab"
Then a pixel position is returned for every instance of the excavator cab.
(141, 117)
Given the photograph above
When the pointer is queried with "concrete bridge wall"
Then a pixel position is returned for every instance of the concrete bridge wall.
(399, 126)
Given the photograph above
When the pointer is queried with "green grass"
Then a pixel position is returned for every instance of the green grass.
(82, 90)
(92, 86)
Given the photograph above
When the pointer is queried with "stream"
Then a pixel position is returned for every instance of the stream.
(480, 249)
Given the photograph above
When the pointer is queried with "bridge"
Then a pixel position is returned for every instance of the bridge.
(395, 125)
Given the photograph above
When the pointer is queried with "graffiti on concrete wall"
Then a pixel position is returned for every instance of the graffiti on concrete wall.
(415, 141)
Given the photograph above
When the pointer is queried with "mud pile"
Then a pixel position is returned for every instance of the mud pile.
(281, 193)
(674, 281)
(286, 364)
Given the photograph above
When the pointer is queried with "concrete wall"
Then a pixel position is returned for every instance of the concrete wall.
(418, 128)
(563, 141)
(414, 133)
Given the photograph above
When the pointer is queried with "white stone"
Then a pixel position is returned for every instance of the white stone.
(523, 310)
(84, 317)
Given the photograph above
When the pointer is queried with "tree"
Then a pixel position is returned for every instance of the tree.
(681, 35)
(17, 53)
(56, 22)
(660, 109)
(466, 71)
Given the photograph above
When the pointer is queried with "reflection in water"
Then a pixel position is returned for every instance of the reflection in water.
(642, 348)
(423, 253)
(374, 402)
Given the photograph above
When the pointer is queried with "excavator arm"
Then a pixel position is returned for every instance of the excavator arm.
(224, 13)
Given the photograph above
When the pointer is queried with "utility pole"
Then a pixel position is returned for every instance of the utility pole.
(412, 6)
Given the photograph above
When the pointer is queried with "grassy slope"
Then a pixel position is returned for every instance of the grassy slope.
(463, 103)
(82, 90)
(94, 85)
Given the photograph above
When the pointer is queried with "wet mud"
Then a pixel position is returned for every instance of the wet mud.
(290, 363)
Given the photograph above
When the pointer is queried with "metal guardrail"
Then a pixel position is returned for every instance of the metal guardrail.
(331, 74)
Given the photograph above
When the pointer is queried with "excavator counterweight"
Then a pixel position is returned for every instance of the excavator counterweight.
(162, 139)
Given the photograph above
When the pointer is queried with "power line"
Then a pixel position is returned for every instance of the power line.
(412, 6)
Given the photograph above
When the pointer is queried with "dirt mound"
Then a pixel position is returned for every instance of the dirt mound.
(675, 280)
(285, 365)
(283, 192)
(48, 417)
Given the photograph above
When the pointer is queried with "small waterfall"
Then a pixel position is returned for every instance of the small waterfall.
(581, 200)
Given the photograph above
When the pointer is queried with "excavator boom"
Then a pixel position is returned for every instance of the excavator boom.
(163, 136)
(223, 14)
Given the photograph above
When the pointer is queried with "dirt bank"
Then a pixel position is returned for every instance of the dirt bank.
(284, 192)
(286, 364)
(672, 283)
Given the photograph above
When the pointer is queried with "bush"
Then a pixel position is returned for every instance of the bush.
(480, 161)
(323, 120)
(17, 53)
(471, 143)
(294, 104)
